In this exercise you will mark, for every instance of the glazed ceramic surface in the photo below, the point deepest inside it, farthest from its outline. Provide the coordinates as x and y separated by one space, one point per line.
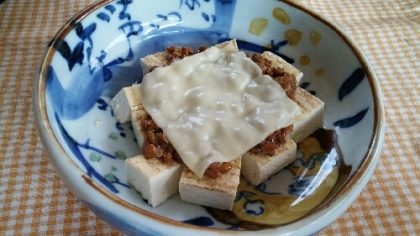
98 52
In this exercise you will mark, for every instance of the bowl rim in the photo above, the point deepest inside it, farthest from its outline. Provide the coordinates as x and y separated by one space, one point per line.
337 204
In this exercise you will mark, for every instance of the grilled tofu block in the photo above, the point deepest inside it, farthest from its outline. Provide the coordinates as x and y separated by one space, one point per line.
126 100
156 181
136 117
311 113
218 193
258 167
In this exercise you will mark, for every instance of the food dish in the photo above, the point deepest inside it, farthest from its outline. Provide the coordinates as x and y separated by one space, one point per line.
222 75
78 74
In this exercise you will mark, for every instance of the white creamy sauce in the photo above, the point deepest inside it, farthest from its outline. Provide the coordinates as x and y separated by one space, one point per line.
215 106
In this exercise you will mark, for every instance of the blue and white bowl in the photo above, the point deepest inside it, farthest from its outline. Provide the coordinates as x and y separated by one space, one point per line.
98 52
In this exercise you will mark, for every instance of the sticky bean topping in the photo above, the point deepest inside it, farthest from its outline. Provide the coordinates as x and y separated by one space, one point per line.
287 81
217 169
157 145
270 144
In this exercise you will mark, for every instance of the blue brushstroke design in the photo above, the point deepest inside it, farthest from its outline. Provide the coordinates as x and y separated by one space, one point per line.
103 16
166 17
157 39
110 8
244 194
123 14
304 85
300 184
106 74
205 16
85 33
200 221
350 121
254 207
131 28
191 4
262 188
119 126
154 25
351 83
102 104
92 80
71 56
74 147
277 46
163 17
68 104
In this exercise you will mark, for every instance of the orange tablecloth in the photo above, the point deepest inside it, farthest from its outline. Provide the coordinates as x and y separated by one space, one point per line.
34 200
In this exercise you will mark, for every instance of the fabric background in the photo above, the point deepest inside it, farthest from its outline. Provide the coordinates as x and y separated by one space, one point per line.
33 200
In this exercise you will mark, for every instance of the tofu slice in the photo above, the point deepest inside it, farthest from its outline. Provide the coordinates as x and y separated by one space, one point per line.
127 99
257 168
159 59
156 181
311 113
136 117
218 193
280 62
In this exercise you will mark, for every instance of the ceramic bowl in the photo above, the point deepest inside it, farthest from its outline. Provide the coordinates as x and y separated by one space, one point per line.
97 52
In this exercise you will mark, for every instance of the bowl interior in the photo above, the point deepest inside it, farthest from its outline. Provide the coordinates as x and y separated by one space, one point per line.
98 52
